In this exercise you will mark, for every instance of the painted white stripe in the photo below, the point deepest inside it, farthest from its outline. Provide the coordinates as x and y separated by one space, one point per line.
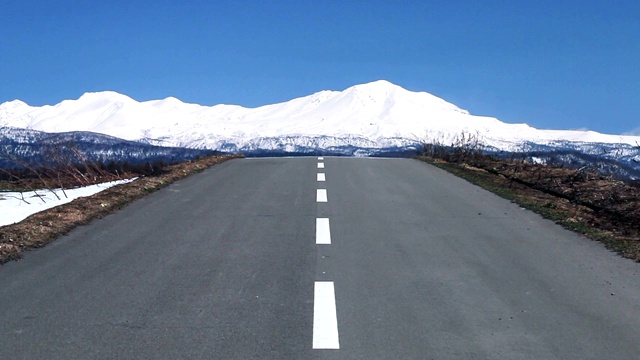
321 177
325 321
320 165
321 195
323 231
320 158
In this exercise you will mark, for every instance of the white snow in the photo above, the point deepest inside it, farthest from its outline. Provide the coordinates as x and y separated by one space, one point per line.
376 114
14 209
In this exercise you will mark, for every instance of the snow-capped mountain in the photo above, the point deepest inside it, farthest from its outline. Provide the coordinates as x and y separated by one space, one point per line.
366 118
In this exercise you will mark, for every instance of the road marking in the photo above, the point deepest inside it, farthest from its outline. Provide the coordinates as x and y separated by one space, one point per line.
325 321
321 195
323 231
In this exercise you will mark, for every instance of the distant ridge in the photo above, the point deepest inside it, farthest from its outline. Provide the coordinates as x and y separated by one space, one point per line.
375 115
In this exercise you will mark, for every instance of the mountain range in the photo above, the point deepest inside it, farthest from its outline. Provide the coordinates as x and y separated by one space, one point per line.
364 119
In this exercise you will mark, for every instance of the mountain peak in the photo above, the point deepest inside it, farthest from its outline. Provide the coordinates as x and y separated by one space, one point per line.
170 100
375 86
13 109
13 104
106 95
389 93
379 83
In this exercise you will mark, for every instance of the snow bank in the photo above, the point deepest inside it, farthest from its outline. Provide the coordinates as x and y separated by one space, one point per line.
14 209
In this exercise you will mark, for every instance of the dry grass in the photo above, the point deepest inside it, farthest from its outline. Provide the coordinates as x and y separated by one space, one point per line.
42 228
596 206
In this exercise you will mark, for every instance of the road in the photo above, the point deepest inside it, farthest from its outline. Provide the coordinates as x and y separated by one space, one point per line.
395 259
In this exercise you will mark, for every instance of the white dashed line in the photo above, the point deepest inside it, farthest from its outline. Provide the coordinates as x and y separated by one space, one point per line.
321 195
323 231
325 321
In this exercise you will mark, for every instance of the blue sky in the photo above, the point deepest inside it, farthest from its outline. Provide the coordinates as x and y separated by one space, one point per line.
552 64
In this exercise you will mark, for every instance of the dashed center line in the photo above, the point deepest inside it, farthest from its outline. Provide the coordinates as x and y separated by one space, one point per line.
323 231
325 321
321 195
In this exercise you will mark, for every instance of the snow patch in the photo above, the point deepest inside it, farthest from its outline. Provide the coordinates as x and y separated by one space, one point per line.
14 209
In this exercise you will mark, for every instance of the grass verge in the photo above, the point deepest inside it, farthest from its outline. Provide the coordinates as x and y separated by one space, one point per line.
44 227
623 238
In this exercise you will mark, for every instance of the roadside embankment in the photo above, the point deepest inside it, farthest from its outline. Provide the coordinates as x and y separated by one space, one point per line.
597 206
44 227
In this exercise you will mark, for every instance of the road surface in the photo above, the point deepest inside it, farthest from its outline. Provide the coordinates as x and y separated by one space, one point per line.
373 259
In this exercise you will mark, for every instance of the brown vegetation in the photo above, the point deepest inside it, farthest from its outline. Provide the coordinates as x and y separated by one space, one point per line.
597 206
41 228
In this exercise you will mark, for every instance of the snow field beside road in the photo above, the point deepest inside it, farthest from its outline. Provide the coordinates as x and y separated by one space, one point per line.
17 206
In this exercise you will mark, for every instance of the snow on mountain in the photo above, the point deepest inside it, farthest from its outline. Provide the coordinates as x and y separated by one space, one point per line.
14 110
374 115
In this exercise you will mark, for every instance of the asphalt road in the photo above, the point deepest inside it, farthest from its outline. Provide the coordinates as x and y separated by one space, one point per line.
248 260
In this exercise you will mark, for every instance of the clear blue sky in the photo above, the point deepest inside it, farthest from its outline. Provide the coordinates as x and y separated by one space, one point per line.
553 64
